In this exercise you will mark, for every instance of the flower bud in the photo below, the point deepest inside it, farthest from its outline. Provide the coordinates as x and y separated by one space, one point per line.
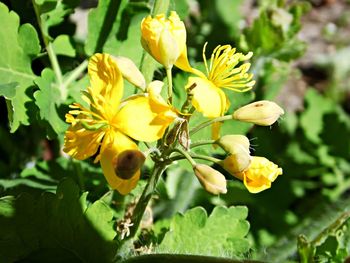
130 72
128 162
234 144
260 174
262 112
236 163
164 38
212 181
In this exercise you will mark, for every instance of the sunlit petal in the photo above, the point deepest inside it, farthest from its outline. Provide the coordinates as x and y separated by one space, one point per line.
207 98
81 143
144 119
106 80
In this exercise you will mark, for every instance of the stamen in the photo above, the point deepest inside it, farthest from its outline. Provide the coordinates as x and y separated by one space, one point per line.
205 58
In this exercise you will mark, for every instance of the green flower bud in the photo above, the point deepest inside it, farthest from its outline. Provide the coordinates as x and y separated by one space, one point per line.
212 181
262 112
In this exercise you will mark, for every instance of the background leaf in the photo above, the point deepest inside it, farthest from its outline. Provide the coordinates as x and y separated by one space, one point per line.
57 226
19 44
223 233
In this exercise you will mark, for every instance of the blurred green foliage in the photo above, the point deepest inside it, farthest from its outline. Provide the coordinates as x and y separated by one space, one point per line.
44 215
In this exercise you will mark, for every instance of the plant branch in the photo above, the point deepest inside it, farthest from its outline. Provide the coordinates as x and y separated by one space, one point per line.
170 85
207 123
203 142
146 197
74 75
51 54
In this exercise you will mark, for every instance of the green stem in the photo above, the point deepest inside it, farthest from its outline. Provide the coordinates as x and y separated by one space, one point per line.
160 7
74 75
196 156
203 142
52 56
147 193
170 85
319 240
210 122
147 64
186 155
54 63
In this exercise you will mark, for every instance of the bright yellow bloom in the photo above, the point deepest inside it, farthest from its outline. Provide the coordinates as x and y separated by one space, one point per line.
164 38
108 123
260 174
223 72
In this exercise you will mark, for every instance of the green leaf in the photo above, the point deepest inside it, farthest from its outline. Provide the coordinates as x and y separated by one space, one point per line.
103 22
311 121
8 90
229 12
47 99
223 233
19 44
63 46
53 12
58 225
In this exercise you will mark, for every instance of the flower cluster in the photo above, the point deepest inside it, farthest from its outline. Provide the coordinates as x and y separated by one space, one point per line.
108 126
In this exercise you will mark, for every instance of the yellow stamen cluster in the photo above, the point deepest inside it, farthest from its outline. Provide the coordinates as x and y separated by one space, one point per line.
222 70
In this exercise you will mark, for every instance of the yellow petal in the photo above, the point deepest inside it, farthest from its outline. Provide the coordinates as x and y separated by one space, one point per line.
144 119
109 159
258 185
81 143
260 174
215 131
106 79
207 98
183 64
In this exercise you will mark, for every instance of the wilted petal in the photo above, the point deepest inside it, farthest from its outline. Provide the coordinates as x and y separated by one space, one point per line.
108 163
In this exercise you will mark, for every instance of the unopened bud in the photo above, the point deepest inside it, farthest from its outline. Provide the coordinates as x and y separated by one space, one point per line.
262 112
130 72
236 163
212 181
234 144
168 49
164 38
128 162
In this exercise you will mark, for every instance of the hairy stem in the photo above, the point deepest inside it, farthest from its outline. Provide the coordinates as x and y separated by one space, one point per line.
186 155
146 197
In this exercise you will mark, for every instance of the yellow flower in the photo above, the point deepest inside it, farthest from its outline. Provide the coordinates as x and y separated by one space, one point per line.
260 174
223 72
164 38
108 123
